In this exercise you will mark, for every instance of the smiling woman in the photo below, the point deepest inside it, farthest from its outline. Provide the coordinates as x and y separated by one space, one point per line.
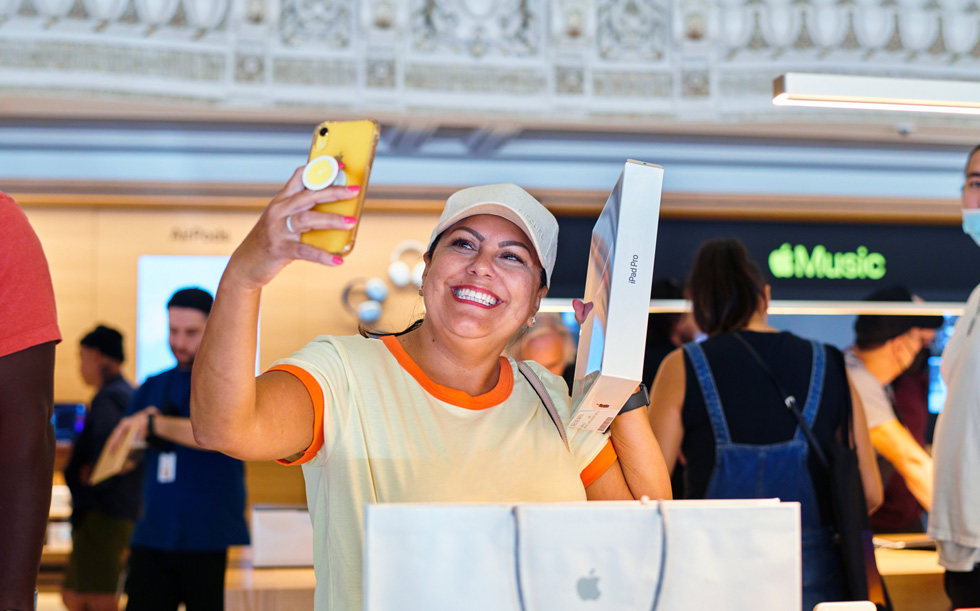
432 414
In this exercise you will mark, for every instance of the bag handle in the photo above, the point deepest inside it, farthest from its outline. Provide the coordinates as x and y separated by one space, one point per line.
549 405
788 400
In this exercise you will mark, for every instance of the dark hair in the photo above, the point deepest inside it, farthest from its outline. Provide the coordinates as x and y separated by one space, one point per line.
873 330
107 341
193 298
726 287
969 158
365 332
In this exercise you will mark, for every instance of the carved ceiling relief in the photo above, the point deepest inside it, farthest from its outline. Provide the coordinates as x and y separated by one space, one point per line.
201 16
896 31
632 30
477 28
316 23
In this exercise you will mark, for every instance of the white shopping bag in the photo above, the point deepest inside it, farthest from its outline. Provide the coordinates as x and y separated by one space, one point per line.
732 555
742 555
436 557
589 556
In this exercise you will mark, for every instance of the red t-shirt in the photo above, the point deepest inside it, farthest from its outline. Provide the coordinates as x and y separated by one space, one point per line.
27 311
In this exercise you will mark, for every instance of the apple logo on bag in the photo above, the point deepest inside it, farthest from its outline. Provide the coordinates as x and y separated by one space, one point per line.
588 587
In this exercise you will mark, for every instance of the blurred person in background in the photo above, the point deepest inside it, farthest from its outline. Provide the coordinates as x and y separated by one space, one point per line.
28 334
717 403
103 515
548 343
885 346
667 331
954 521
193 499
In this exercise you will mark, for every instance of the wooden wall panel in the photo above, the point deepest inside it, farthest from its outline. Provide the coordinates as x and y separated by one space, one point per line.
68 238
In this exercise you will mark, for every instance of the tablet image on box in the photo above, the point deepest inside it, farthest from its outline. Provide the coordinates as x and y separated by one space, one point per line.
609 363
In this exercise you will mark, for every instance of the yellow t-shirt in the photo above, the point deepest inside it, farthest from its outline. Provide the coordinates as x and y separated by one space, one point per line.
386 433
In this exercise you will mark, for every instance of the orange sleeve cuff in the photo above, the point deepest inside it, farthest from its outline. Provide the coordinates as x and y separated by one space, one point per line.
603 460
316 394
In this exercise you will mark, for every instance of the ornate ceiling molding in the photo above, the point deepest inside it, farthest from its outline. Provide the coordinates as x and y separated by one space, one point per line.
635 63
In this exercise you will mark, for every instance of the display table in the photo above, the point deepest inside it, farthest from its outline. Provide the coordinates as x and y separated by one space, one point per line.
279 589
913 576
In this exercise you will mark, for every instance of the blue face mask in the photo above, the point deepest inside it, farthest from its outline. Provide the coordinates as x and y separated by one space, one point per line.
971 224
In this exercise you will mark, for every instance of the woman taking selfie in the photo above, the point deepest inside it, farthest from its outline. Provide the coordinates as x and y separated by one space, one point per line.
716 402
433 414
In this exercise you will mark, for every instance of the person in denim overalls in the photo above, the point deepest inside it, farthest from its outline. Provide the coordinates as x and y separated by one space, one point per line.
754 447
776 470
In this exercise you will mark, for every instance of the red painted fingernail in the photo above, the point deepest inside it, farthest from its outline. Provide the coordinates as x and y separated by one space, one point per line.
354 189
350 220
337 260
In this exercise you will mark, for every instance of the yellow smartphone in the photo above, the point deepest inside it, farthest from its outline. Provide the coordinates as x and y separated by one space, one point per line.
352 144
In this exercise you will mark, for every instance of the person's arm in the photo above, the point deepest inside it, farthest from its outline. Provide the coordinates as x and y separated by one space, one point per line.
666 403
169 428
896 444
874 493
640 470
27 456
231 411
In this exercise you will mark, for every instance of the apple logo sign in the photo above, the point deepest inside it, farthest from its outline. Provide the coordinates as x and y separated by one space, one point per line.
588 587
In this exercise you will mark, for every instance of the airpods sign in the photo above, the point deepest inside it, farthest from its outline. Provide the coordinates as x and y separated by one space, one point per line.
798 261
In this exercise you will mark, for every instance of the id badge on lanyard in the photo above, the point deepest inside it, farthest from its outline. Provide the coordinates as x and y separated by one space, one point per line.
167 468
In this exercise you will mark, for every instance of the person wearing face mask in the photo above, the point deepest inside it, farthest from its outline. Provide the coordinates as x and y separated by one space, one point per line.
431 414
885 346
954 521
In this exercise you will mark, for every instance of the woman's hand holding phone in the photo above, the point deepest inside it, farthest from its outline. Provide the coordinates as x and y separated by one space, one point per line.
274 242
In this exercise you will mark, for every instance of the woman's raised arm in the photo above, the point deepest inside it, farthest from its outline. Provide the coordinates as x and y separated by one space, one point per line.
232 411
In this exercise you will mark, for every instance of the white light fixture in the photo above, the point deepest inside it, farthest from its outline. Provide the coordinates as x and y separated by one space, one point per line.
876 93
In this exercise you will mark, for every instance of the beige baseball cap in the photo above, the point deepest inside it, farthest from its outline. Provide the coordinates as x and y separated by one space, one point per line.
512 203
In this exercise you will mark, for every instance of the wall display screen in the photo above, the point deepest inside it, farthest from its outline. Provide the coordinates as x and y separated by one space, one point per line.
159 277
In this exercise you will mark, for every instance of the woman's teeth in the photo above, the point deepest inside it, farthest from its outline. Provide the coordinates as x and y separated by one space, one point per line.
471 295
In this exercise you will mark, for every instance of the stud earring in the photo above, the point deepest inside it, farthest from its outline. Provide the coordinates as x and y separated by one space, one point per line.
532 322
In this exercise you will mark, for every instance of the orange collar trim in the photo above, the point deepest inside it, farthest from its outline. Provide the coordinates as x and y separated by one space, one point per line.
497 395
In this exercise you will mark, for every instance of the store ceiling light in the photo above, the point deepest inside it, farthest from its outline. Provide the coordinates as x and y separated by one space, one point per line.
876 93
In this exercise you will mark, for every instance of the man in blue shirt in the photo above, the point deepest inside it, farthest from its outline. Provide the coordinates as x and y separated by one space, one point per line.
194 499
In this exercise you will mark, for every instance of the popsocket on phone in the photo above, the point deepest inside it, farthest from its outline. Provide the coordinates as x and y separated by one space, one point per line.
322 172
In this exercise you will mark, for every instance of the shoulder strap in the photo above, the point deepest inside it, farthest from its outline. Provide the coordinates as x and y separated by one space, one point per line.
539 388
789 400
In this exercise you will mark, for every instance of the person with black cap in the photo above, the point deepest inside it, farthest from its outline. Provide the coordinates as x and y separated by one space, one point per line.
103 515
886 346
194 499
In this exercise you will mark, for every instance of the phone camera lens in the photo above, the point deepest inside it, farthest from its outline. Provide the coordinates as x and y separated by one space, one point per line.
323 131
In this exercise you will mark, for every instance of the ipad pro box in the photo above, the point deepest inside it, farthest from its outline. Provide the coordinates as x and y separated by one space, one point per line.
609 363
